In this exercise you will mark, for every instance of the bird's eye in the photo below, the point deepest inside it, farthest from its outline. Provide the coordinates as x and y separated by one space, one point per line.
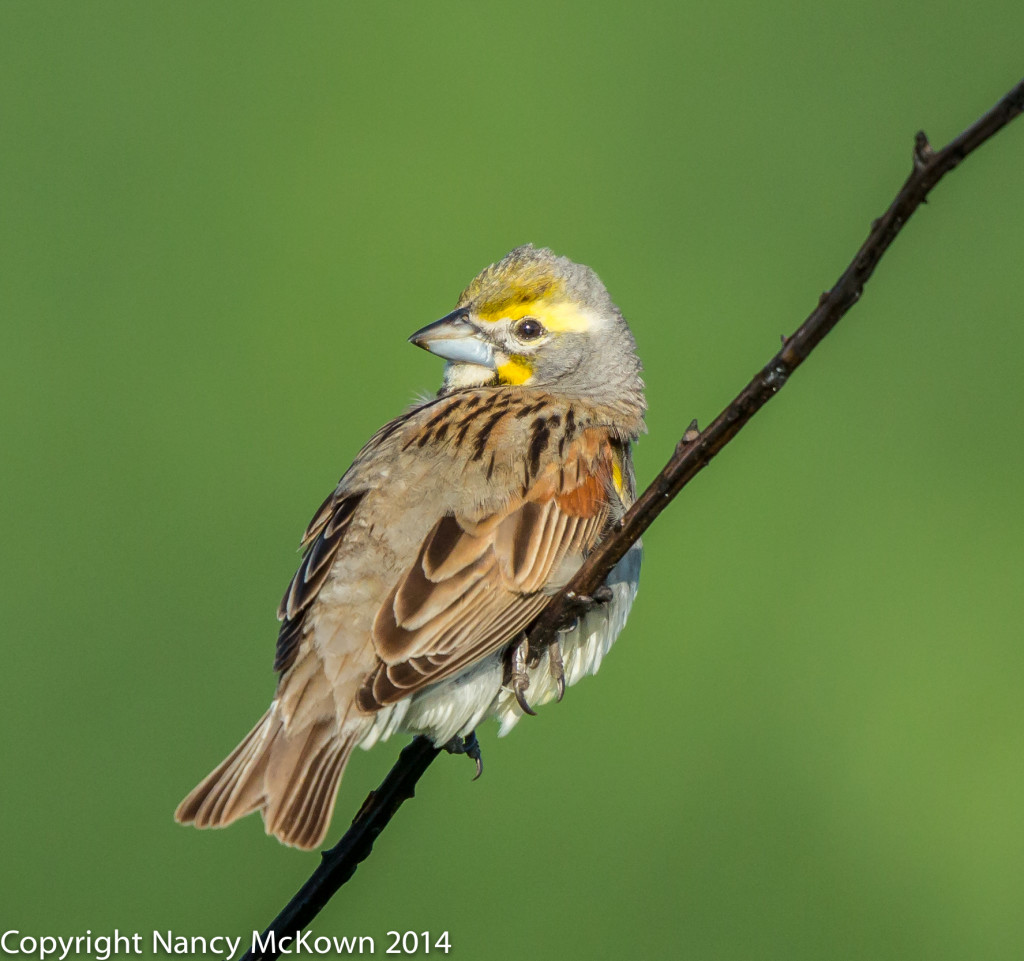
528 329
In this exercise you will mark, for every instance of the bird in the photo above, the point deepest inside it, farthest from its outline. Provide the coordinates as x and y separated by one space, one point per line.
454 526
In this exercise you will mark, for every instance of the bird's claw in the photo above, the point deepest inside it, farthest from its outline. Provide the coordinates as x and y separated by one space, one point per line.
519 679
469 746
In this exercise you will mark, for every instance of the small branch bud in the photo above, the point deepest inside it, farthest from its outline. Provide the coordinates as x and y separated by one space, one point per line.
923 152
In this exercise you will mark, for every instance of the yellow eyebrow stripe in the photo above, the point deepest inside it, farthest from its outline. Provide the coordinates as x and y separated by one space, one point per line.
559 317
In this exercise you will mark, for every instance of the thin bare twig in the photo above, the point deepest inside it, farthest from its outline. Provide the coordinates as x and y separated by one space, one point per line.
692 454
339 863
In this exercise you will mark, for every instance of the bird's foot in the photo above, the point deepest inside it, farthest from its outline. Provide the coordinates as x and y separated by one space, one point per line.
579 604
518 679
469 746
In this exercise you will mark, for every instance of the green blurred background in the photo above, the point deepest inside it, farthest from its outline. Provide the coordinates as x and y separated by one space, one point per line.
219 224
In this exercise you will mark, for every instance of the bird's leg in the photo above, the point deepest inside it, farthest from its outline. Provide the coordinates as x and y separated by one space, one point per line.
469 746
518 676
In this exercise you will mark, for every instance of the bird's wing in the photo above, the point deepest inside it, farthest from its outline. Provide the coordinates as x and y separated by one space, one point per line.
320 545
478 581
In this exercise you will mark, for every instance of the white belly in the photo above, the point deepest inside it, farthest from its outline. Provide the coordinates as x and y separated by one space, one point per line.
457 705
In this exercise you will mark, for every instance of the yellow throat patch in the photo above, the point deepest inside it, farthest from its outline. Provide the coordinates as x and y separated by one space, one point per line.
518 370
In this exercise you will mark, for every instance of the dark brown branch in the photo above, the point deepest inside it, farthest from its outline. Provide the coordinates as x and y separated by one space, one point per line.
339 863
692 454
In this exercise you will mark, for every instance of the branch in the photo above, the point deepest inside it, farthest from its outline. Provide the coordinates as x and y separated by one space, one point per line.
692 454
339 863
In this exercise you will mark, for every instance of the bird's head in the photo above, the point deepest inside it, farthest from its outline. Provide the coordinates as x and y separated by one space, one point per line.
538 320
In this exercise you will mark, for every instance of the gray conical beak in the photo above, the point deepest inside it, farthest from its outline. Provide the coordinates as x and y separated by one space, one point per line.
456 339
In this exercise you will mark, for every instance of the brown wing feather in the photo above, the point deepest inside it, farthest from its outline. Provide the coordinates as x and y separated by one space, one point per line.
322 539
478 582
320 543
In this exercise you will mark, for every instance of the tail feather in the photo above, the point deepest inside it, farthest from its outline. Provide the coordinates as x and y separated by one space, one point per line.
303 815
230 790
291 779
239 789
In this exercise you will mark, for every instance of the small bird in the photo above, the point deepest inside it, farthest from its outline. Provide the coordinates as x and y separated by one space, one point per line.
444 540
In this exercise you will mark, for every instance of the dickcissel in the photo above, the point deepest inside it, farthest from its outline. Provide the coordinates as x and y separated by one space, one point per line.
444 540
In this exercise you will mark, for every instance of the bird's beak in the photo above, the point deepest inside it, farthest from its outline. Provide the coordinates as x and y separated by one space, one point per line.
456 339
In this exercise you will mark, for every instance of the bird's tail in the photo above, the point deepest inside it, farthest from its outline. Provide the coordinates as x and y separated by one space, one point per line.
291 778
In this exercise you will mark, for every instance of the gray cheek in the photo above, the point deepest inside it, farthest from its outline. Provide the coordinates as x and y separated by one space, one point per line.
569 365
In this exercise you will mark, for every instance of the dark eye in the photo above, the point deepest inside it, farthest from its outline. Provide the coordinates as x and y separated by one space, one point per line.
528 329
